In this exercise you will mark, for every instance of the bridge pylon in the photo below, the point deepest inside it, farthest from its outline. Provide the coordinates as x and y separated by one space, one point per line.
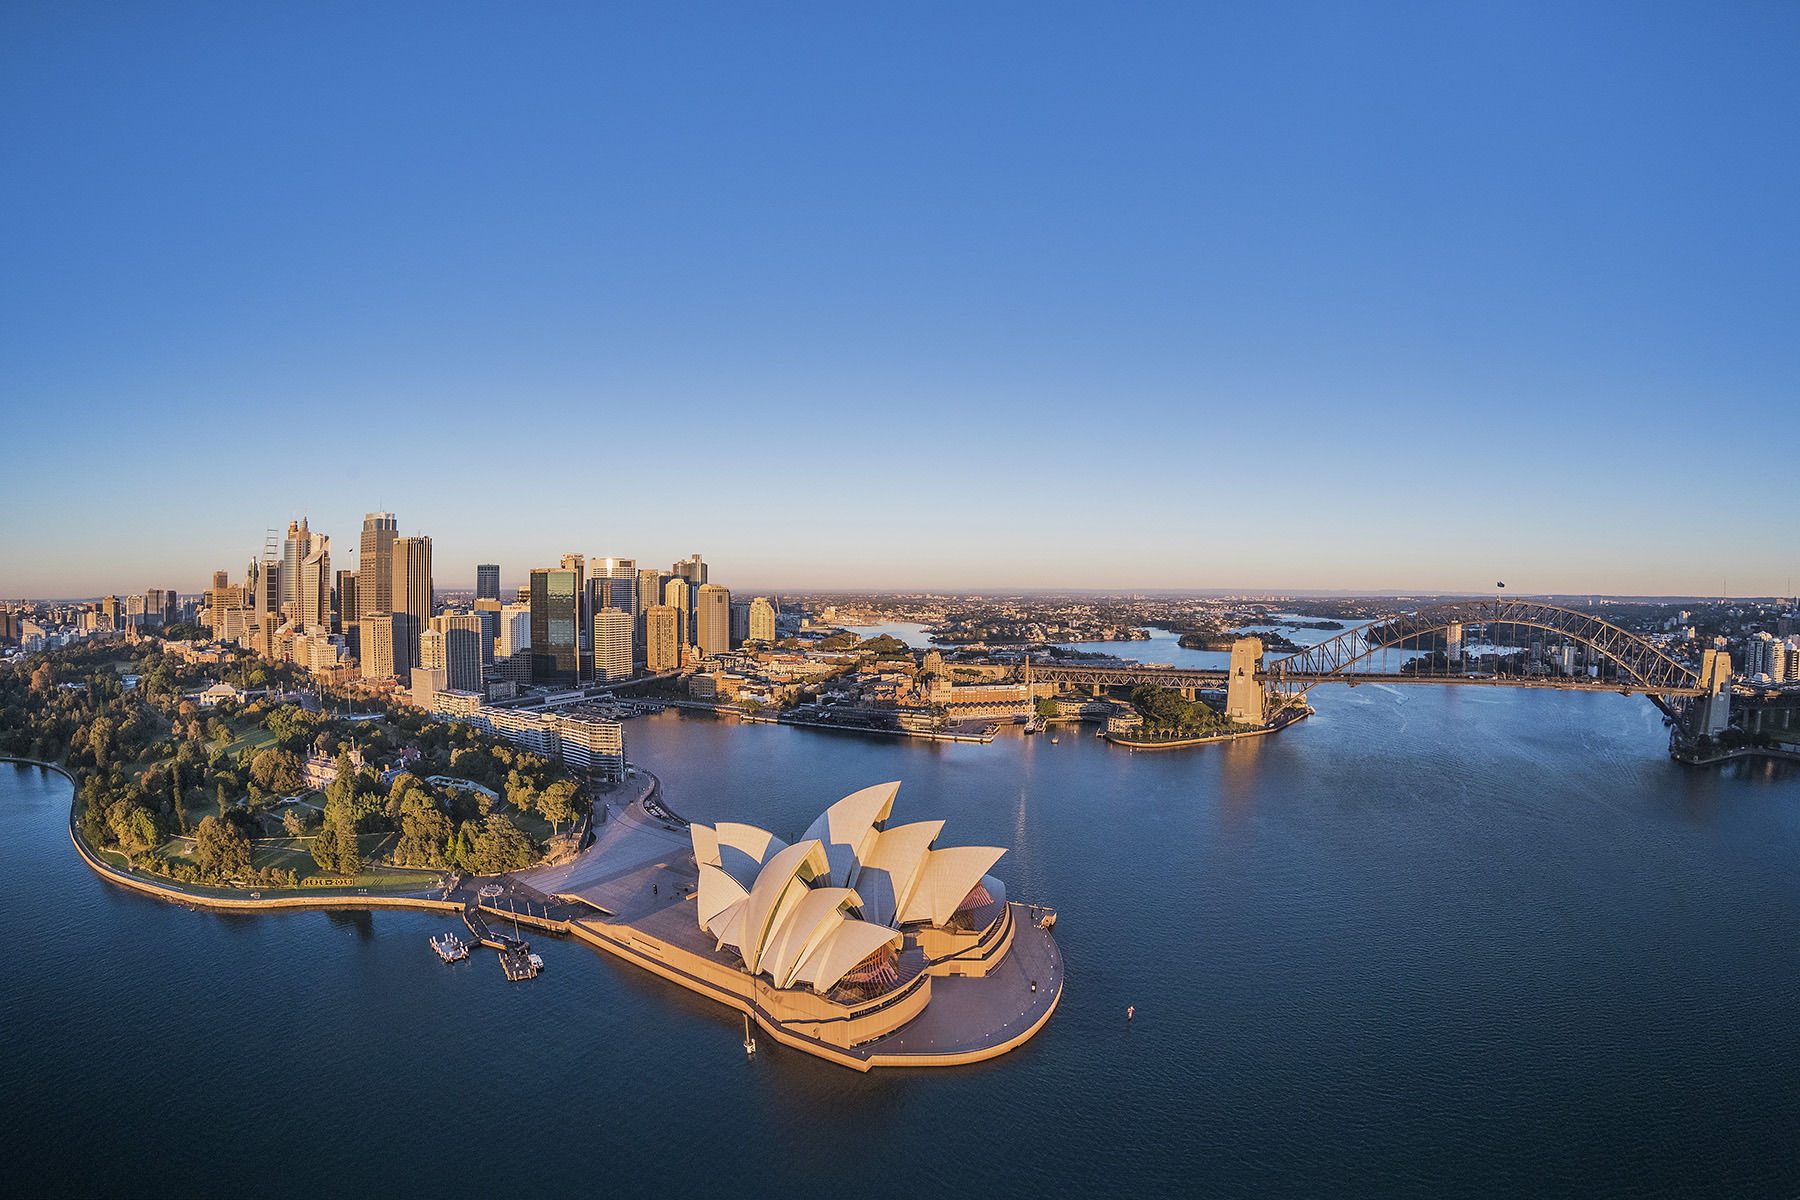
1244 693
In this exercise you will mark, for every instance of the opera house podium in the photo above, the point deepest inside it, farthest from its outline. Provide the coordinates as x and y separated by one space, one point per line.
862 942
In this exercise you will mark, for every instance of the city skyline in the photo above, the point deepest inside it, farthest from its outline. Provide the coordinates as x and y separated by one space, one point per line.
1391 300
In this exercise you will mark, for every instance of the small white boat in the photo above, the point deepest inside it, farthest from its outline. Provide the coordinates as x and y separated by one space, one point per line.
537 962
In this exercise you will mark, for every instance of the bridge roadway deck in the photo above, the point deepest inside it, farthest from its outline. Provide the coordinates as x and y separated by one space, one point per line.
1214 678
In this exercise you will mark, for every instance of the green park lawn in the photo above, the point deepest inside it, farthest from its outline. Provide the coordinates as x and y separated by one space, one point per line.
293 854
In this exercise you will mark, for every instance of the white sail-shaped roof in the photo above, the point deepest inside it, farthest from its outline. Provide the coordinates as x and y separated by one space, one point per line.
848 943
946 877
888 874
745 849
728 926
718 892
706 844
780 885
848 831
805 927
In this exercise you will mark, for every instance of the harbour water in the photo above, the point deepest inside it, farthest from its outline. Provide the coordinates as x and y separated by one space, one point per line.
1427 942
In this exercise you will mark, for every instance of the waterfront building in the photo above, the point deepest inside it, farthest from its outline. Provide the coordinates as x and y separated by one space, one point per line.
487 581
762 620
712 619
375 567
591 745
863 943
555 647
662 626
612 644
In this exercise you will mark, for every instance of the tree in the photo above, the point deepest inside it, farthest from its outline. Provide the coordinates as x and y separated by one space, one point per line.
133 827
501 846
1046 707
557 802
425 834
221 849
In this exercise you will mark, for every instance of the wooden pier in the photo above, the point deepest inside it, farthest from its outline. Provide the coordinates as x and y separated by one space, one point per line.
515 953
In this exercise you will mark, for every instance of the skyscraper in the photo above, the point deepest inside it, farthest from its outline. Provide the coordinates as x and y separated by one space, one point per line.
612 644
584 652
346 601
712 619
649 591
694 571
487 581
515 630
315 586
294 551
555 645
378 638
662 625
459 641
616 584
675 595
375 568
412 581
740 622
762 620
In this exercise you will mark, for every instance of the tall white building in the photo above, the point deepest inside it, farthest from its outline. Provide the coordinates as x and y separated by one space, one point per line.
762 620
459 636
712 619
314 579
612 644
294 551
515 629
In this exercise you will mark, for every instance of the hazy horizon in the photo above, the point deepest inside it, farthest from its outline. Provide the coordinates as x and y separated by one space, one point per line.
1387 298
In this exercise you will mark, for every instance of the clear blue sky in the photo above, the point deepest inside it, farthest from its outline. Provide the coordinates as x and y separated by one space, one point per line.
1241 296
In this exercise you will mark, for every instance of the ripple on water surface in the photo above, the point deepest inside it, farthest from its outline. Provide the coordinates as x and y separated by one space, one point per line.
1440 942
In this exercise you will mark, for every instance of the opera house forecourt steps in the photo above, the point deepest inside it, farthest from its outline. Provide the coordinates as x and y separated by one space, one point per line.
863 942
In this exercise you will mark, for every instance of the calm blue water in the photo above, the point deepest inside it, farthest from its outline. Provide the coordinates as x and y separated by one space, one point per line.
1444 942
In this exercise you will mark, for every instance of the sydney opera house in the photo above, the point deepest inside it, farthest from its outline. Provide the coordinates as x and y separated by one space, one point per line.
864 941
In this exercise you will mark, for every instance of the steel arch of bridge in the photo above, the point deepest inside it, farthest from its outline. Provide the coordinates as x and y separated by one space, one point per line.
1649 669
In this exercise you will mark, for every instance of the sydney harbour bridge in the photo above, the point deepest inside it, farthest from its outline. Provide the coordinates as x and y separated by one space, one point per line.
1426 646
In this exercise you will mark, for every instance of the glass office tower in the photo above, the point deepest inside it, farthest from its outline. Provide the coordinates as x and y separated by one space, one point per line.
555 613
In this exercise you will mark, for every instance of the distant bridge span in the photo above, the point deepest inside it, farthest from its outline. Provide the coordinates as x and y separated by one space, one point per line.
1641 667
